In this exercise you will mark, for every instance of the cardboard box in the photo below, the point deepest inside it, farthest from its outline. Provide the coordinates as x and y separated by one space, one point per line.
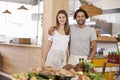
21 40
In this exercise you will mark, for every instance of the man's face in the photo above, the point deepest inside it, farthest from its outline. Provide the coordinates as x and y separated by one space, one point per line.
80 18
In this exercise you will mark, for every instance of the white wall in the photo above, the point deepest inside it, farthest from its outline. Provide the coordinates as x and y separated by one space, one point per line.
113 17
106 4
115 29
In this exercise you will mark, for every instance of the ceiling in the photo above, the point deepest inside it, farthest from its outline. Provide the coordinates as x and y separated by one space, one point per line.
30 2
34 2
75 4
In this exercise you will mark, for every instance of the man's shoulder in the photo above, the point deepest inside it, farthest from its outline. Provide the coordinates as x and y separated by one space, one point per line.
73 25
88 27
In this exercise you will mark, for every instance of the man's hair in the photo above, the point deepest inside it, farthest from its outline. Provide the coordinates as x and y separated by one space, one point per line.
80 10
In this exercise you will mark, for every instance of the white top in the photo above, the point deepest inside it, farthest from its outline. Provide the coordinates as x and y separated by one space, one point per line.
59 42
80 40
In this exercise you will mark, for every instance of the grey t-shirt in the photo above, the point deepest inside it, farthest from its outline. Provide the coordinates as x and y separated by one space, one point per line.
80 40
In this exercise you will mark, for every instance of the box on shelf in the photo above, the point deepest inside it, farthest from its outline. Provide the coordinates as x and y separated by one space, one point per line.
21 40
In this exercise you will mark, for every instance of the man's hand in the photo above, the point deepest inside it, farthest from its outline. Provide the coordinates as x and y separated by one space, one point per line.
51 30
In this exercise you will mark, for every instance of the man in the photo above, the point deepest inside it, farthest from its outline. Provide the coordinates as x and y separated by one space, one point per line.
82 39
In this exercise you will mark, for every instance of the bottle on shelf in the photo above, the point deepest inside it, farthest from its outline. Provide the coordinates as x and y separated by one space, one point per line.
109 57
118 58
80 60
113 59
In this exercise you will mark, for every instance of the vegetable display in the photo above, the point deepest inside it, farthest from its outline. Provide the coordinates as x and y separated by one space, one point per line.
84 70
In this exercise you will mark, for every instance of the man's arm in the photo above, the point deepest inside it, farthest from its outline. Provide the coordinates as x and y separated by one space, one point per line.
51 30
93 45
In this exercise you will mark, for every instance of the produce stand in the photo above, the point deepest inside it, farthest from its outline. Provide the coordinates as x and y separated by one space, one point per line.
81 71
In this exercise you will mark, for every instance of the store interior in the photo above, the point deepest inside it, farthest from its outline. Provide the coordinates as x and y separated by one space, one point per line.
24 31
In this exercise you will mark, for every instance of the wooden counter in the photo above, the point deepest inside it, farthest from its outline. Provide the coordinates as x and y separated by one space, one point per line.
19 58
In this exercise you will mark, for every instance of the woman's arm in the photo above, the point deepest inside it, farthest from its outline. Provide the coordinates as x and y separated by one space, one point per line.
48 48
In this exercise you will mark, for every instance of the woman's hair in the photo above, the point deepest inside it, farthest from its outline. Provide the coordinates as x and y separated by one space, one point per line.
66 26
80 10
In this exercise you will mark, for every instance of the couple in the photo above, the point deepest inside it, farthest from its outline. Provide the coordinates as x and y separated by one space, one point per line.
79 39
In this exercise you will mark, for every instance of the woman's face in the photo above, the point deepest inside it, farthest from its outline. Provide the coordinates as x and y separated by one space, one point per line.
61 19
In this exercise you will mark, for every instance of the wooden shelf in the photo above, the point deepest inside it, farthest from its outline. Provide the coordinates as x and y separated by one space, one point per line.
113 64
105 41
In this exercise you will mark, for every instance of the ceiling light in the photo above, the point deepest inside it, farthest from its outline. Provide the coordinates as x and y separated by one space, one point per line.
6 11
92 10
22 8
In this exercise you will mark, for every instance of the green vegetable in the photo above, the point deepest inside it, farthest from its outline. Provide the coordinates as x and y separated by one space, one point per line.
19 76
39 76
44 76
88 70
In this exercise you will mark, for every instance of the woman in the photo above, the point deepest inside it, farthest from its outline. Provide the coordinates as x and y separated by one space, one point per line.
58 42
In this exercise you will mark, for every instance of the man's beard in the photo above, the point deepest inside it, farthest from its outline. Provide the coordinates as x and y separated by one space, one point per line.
81 22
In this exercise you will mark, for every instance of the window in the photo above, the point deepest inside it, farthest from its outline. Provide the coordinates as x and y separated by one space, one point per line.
21 23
